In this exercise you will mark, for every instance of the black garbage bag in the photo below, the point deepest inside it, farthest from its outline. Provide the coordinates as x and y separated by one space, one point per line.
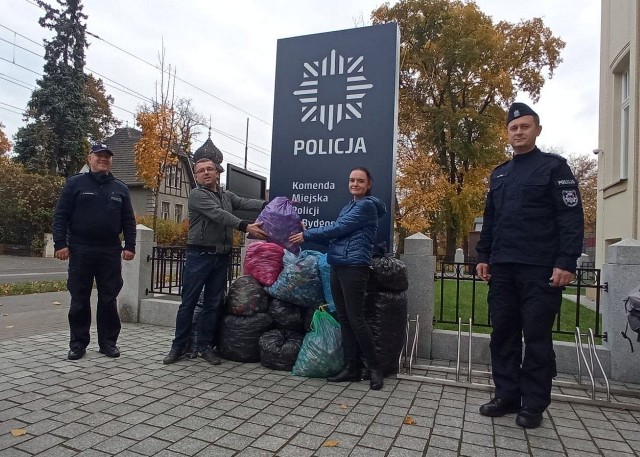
279 349
246 297
307 315
386 314
238 336
287 316
388 274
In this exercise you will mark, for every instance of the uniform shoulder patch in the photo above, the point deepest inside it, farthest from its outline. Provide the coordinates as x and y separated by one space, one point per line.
570 197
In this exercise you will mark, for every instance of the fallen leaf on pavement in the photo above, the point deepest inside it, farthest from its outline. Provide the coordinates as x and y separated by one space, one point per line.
409 421
18 432
343 406
331 443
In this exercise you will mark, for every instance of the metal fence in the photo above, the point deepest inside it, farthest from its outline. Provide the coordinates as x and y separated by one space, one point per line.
461 294
167 263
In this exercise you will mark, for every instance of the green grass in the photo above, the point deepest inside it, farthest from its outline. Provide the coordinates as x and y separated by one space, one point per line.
36 287
464 289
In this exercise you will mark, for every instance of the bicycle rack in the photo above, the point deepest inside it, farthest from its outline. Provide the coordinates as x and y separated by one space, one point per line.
408 364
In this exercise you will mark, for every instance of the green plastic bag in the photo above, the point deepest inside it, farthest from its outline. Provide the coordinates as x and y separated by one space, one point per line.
321 354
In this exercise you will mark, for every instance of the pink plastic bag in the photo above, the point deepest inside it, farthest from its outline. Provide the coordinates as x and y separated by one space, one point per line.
263 261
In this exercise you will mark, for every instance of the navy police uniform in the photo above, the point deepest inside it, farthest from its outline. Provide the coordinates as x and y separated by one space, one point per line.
92 212
533 223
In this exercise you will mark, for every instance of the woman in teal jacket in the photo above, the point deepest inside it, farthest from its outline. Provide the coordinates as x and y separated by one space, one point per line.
350 239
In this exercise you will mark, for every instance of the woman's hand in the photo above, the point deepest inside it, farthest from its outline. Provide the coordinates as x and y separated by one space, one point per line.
296 238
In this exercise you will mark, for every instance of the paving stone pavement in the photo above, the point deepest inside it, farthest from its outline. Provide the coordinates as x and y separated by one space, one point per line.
136 406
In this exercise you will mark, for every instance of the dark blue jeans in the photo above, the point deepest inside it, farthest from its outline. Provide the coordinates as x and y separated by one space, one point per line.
103 264
348 287
522 303
208 270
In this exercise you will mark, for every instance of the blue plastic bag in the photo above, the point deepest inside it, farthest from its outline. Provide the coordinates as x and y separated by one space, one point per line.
321 354
299 281
325 276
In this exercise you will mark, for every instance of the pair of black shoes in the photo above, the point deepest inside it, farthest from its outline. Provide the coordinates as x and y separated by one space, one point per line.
527 417
208 354
109 351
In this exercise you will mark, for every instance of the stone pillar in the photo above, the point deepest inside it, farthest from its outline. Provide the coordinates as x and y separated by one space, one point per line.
584 258
48 245
136 274
621 273
421 265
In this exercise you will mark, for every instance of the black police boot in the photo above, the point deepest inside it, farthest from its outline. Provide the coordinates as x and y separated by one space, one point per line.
529 418
499 407
348 374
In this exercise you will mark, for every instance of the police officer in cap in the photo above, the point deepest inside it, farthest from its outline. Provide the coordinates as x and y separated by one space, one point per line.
531 239
93 210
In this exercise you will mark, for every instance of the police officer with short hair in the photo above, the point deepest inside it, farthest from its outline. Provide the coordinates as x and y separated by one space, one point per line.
530 241
93 210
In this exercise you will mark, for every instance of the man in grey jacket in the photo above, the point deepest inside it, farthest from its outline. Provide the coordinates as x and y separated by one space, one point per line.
209 242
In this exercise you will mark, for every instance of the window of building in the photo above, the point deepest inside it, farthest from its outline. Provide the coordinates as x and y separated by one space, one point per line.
173 176
624 123
178 212
165 211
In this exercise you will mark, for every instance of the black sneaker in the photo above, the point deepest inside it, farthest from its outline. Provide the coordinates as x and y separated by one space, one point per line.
174 355
76 354
210 356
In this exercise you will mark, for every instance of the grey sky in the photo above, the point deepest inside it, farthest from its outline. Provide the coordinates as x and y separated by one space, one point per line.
227 51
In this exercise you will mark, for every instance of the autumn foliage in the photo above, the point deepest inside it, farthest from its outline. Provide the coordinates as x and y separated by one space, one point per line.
459 72
5 144
168 233
154 149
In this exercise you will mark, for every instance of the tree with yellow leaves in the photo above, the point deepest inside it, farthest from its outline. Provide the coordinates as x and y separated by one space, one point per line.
5 144
167 131
459 71
157 147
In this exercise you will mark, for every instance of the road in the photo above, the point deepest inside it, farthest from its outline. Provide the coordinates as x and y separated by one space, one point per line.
14 269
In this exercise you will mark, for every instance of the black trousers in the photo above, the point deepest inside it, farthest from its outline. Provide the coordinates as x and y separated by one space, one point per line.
103 264
348 287
522 303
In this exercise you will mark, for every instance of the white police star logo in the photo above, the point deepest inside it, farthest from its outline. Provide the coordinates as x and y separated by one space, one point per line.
351 69
570 197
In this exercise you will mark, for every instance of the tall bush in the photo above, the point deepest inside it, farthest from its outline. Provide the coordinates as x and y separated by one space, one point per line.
169 233
27 204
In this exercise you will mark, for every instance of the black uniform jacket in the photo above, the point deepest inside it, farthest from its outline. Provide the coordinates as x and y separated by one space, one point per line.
93 209
533 213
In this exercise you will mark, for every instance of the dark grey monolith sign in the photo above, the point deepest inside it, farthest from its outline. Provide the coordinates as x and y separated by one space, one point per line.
335 108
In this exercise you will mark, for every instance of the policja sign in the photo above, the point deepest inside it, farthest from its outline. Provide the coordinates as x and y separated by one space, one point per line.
336 108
